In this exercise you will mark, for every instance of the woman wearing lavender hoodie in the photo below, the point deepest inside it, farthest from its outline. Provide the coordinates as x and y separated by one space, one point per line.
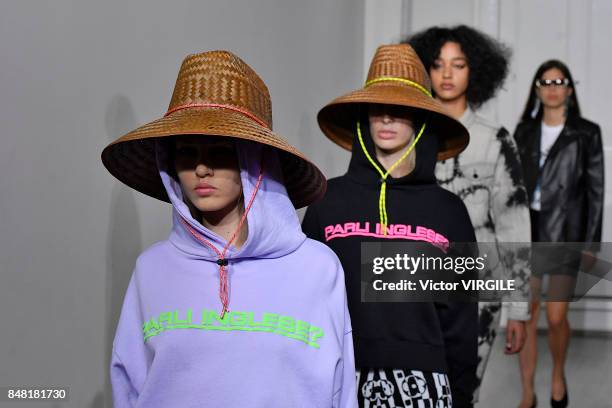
237 308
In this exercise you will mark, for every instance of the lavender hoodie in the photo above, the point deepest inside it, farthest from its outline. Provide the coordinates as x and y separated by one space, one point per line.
286 341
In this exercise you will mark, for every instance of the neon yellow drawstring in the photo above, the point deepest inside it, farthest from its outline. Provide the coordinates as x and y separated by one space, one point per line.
382 201
402 80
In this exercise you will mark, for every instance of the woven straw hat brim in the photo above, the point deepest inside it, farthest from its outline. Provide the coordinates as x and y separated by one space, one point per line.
131 158
337 119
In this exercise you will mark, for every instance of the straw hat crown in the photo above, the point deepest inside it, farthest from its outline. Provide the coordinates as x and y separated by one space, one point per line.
398 61
220 77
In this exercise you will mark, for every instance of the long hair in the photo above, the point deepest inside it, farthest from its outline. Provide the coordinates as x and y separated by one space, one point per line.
573 108
486 57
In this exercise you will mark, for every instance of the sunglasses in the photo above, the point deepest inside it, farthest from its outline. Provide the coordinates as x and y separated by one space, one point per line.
564 82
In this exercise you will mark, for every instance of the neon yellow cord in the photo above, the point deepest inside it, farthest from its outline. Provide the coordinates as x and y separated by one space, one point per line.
402 80
382 201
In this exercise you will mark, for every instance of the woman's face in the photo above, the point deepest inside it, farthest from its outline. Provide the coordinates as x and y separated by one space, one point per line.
391 126
207 168
450 73
552 95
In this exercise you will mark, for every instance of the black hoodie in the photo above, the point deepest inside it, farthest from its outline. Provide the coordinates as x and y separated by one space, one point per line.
437 337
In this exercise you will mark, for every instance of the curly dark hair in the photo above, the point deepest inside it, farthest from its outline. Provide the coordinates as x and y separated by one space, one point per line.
487 58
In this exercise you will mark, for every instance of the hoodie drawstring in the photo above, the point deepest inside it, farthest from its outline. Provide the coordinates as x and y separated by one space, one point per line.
222 261
382 200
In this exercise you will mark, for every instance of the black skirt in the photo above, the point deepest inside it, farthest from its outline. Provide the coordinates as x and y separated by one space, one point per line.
552 258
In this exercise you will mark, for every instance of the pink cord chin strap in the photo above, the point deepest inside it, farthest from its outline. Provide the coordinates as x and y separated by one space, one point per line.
222 261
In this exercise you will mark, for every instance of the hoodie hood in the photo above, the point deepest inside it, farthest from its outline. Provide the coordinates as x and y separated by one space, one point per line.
361 170
273 226
365 168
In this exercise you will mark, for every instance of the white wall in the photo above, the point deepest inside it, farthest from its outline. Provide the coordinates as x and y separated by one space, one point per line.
384 23
74 76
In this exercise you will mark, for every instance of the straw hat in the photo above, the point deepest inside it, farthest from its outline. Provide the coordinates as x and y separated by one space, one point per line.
216 93
396 77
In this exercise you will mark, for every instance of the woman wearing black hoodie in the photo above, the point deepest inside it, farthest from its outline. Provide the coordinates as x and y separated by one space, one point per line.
408 354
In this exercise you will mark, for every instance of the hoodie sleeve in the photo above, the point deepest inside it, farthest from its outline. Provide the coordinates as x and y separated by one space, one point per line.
124 392
459 324
459 321
344 383
595 188
509 213
311 225
128 368
346 395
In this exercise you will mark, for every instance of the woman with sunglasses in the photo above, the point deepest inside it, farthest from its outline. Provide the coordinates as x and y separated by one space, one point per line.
562 160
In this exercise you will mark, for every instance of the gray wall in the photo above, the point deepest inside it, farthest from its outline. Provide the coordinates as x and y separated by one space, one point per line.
77 74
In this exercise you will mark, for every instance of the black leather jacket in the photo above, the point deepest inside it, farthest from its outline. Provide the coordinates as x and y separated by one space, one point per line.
572 183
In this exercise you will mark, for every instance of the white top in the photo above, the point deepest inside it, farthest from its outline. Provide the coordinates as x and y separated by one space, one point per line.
549 136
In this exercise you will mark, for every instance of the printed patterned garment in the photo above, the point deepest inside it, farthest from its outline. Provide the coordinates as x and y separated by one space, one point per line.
397 388
487 177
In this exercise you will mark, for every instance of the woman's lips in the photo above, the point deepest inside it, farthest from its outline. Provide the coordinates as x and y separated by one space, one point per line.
204 190
386 134
448 87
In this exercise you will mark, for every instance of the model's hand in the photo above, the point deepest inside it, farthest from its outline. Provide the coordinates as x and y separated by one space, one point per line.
515 336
